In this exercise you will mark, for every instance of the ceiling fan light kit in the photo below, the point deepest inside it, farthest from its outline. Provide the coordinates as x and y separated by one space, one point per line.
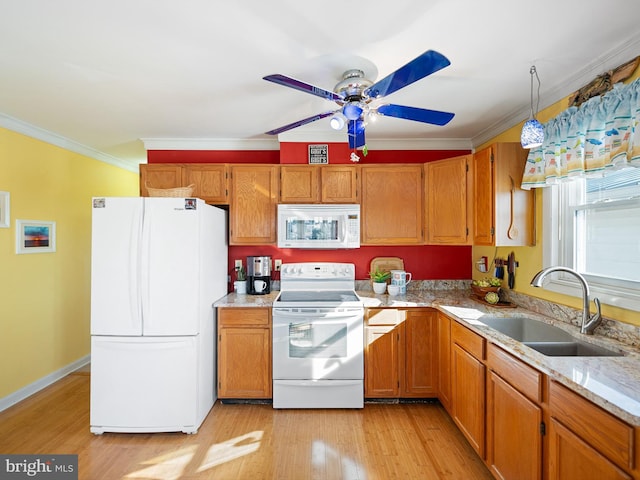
532 134
354 93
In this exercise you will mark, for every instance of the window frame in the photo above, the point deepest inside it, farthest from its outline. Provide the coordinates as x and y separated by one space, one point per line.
557 249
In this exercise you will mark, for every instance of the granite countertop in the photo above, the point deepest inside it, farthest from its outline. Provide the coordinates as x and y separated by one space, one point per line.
610 382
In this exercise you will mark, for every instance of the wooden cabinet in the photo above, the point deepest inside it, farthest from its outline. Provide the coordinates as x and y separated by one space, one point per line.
444 361
468 385
400 353
244 353
209 180
252 210
392 205
585 441
448 197
514 417
503 213
160 175
319 184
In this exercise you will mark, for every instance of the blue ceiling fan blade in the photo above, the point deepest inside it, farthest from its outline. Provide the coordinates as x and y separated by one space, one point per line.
426 64
355 129
423 115
303 87
299 123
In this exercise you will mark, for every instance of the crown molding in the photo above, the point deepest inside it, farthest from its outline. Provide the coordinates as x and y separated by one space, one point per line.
38 133
209 144
608 61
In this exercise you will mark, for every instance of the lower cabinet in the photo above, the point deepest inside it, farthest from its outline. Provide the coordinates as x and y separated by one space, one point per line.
400 354
514 417
586 442
468 385
244 353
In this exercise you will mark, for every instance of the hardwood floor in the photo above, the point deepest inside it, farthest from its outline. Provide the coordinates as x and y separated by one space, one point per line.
381 441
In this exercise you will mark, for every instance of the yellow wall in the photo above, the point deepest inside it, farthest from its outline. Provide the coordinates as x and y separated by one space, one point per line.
45 297
530 258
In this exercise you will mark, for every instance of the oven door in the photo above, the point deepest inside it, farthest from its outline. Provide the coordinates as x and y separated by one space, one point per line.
318 343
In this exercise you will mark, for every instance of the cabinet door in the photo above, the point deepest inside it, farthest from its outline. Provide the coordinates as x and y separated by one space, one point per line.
483 213
514 441
299 184
468 383
381 360
339 184
244 362
392 212
444 361
420 362
210 182
252 212
571 457
446 200
161 175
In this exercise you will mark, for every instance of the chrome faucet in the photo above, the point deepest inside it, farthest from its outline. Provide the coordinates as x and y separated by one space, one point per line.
589 323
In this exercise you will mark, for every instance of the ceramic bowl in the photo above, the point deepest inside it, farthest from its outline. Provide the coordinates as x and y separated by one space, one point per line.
393 289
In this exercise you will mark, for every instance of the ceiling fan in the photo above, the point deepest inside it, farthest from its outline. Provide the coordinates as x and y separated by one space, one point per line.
354 93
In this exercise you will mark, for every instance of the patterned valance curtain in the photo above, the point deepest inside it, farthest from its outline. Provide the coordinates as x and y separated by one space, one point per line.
602 134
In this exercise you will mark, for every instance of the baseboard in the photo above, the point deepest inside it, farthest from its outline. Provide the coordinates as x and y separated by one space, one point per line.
38 385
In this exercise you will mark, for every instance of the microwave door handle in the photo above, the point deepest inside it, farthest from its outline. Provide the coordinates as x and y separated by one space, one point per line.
345 228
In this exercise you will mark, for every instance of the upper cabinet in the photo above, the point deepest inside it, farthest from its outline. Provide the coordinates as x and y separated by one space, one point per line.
209 180
503 213
319 184
253 200
448 194
392 205
160 175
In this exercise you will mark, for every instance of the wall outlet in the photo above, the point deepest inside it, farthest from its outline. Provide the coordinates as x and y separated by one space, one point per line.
238 264
278 265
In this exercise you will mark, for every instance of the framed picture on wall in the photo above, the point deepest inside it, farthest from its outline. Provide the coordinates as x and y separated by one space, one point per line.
4 210
35 236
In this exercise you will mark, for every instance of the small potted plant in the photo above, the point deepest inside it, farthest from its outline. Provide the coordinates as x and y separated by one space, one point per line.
379 279
240 285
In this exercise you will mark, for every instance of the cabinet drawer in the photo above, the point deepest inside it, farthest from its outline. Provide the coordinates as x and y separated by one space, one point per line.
523 377
603 431
470 341
385 316
244 316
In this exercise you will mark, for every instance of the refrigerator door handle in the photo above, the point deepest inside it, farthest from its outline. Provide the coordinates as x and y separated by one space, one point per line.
143 270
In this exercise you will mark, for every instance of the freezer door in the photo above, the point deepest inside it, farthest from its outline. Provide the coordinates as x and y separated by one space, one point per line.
116 232
171 266
141 384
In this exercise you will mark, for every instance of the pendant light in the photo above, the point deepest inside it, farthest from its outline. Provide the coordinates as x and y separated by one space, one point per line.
532 131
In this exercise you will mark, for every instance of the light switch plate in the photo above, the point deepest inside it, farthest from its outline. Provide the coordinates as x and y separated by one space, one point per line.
238 263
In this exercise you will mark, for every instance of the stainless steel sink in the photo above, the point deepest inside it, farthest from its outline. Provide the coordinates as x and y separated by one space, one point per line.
546 339
572 349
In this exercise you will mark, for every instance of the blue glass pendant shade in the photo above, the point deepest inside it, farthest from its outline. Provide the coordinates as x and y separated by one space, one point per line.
532 134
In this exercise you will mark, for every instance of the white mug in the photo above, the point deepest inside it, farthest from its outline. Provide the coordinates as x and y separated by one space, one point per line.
400 278
259 285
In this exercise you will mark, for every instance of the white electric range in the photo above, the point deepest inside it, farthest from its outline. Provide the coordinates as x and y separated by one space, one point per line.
318 338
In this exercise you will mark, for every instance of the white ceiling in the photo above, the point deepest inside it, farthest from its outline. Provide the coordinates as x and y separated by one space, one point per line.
188 74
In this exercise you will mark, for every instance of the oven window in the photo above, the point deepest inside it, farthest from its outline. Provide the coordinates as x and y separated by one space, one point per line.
312 229
317 340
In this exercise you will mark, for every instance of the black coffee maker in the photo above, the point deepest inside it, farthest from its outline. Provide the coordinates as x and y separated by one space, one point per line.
259 275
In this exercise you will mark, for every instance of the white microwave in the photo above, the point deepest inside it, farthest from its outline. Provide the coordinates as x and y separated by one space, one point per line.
318 226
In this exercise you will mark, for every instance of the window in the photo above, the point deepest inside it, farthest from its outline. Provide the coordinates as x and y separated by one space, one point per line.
593 226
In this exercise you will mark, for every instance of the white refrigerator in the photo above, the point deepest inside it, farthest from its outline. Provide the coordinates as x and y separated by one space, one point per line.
157 267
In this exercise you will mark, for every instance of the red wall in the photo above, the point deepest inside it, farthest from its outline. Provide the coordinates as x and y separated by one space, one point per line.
424 262
428 262
339 153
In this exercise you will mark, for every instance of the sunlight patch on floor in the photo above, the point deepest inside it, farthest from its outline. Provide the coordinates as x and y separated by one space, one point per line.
172 466
231 449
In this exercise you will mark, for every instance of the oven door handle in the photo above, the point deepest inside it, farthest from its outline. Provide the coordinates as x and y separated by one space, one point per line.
313 314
